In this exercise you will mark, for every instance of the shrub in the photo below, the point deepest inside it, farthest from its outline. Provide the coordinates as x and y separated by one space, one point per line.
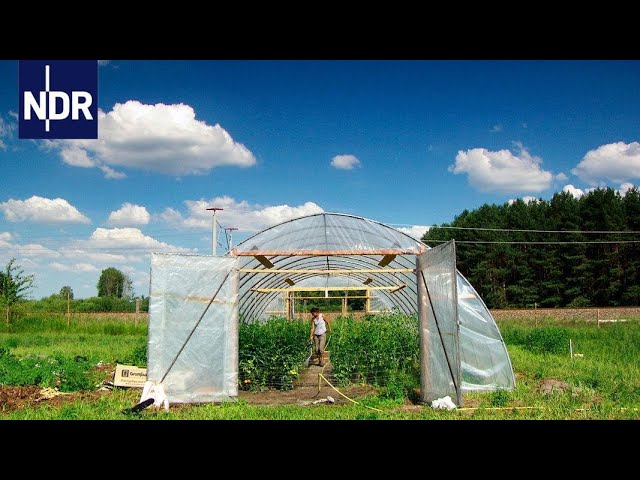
548 340
57 372
382 350
271 354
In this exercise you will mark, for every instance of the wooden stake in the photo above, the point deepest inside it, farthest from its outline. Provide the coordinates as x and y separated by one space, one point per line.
571 349
68 311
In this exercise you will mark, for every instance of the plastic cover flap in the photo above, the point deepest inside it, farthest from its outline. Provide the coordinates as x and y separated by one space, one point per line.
196 345
441 370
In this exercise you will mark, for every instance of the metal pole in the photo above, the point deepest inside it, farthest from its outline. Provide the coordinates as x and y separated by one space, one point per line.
213 229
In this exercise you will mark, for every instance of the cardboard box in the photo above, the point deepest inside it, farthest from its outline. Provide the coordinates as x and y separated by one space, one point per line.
129 376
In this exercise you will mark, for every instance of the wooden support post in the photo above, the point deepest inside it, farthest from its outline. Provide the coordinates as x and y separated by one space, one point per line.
288 301
68 310
367 305
598 316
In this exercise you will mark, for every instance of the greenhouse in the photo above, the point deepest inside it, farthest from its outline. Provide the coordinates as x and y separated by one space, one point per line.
196 302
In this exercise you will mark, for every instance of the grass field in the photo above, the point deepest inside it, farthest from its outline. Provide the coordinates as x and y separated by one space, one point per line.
603 382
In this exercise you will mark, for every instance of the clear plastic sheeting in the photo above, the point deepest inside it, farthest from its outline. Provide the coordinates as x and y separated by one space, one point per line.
330 232
349 242
439 328
484 357
193 341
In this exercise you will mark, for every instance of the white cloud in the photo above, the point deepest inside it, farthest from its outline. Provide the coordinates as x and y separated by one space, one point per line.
345 162
617 162
76 157
5 238
171 215
161 138
124 248
576 192
139 278
417 231
77 253
127 238
561 177
6 131
525 199
496 128
114 246
42 210
242 215
625 187
129 215
77 267
112 174
502 171
35 250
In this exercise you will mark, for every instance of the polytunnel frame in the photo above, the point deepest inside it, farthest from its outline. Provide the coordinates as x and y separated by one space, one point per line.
408 271
403 299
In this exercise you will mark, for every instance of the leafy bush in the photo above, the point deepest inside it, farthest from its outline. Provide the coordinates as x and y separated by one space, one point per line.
499 398
272 354
548 340
138 356
381 350
57 372
538 340
515 335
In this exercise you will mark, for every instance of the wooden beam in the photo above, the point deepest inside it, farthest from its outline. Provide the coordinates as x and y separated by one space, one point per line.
316 253
288 281
324 289
399 287
337 296
264 260
190 298
386 260
329 272
368 281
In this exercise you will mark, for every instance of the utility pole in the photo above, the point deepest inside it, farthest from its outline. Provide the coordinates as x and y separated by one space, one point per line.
213 229
230 230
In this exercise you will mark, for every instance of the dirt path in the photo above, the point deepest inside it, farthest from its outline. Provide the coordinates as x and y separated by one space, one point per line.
305 390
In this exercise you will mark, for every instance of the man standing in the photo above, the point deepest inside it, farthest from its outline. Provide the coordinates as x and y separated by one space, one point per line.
318 334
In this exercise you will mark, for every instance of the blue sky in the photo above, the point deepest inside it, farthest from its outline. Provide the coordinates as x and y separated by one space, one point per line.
407 143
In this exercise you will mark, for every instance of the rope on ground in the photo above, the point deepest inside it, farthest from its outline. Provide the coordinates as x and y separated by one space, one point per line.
350 399
467 409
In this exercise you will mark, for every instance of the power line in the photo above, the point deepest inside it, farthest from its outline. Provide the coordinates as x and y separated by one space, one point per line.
539 243
540 231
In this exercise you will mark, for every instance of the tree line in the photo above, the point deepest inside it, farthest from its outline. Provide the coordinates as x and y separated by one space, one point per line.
568 273
115 294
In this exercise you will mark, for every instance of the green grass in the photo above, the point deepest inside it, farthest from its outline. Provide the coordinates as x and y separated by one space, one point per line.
602 384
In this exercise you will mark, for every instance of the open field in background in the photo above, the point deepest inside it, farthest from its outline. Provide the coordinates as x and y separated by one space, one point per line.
602 382
586 314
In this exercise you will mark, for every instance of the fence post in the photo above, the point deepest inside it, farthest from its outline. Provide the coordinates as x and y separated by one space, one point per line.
68 310
571 349
137 312
598 316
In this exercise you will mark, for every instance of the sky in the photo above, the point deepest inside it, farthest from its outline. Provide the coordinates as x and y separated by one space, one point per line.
407 143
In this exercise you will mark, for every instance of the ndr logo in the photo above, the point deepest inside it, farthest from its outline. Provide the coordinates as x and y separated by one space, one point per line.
58 99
